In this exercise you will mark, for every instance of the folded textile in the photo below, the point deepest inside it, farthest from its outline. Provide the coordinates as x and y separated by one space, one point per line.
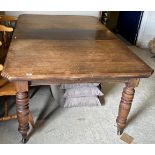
82 92
68 86
57 93
82 101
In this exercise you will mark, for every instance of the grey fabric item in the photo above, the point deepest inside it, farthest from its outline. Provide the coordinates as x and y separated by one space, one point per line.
81 101
91 91
57 94
82 92
68 86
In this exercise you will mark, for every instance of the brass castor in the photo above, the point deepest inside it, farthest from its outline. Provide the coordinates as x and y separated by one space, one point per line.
24 140
119 131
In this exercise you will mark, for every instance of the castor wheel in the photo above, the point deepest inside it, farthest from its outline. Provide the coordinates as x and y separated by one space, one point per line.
119 131
24 140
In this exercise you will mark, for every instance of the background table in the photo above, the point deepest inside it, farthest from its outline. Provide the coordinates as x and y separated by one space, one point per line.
69 49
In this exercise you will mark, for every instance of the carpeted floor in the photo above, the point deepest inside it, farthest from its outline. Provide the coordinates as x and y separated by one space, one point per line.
90 124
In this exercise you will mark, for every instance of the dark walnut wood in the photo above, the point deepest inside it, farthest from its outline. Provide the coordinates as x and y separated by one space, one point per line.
64 47
22 107
125 104
22 113
67 49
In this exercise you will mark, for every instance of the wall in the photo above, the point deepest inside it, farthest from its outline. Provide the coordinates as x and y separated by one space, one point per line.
87 13
147 29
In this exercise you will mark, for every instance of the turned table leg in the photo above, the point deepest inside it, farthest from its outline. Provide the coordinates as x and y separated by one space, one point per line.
125 104
22 107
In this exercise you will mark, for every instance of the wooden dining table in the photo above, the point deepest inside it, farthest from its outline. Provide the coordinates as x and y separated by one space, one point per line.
48 49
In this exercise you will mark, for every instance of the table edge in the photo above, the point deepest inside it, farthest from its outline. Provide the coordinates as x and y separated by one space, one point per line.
79 77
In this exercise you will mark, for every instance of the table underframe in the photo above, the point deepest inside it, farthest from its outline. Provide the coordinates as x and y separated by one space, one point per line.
22 100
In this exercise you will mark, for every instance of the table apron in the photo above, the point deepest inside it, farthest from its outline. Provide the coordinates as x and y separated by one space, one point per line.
49 82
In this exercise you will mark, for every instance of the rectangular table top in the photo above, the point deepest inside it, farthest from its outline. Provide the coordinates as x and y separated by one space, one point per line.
69 47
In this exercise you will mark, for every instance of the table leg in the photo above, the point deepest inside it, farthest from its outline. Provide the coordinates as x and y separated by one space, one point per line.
125 104
22 107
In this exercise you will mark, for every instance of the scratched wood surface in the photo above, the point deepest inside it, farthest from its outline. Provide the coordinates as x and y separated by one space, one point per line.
68 47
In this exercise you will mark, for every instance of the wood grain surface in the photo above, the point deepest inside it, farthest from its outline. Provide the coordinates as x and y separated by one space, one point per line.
68 48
